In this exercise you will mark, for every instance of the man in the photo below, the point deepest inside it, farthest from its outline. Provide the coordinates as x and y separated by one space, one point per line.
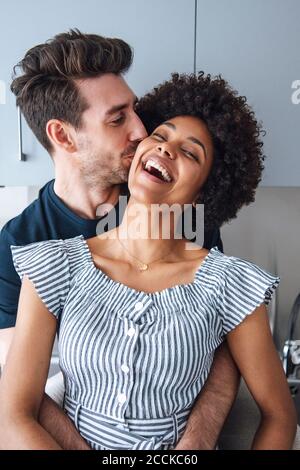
74 98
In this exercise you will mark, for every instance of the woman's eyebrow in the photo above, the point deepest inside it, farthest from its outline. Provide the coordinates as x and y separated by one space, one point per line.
192 139
197 141
169 124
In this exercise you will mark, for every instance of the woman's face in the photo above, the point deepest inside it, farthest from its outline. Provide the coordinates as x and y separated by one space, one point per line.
172 164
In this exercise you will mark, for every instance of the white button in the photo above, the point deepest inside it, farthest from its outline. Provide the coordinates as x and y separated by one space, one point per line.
139 306
122 398
125 368
123 426
131 332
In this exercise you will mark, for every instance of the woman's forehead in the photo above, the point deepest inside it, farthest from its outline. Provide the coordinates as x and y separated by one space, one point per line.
189 126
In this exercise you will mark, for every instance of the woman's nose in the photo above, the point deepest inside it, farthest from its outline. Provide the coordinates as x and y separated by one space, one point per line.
164 149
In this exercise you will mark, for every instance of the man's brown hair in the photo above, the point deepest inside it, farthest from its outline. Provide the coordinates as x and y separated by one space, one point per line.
46 89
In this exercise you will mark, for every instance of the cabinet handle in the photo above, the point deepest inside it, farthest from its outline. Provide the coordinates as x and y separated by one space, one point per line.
21 155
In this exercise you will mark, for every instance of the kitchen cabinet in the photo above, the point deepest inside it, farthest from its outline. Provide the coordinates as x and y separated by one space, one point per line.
161 33
255 45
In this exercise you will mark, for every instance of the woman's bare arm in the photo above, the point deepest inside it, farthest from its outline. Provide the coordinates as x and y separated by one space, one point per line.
251 345
25 374
51 416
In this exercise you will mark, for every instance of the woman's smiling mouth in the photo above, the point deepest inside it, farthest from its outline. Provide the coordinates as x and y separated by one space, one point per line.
156 168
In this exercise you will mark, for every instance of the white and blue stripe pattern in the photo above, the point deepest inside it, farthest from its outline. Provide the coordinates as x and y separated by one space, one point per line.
134 362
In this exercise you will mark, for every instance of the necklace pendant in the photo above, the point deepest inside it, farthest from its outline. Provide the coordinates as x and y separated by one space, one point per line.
143 267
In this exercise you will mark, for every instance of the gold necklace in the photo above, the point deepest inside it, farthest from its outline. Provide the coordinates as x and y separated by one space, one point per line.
142 266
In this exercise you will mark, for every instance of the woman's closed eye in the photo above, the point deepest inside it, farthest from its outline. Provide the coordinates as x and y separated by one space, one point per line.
159 136
190 154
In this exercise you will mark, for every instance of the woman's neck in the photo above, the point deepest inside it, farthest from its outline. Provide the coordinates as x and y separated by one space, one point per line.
147 233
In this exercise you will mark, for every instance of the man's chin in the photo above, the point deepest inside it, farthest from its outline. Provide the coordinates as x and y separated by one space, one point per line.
126 162
122 175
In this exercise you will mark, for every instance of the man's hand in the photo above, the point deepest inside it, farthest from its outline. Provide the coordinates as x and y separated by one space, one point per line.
53 419
213 404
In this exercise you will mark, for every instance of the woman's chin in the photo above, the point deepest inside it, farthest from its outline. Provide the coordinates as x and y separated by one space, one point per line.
144 196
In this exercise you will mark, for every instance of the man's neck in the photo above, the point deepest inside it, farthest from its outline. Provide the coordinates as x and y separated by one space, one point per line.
85 201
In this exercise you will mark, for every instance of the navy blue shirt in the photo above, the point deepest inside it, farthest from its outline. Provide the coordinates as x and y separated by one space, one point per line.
48 218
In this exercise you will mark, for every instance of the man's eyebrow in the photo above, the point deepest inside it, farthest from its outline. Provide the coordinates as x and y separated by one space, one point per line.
120 107
192 139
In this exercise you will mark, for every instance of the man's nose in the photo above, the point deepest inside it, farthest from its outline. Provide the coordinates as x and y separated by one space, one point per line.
138 131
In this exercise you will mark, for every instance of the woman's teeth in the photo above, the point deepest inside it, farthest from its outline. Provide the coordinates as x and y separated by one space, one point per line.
150 163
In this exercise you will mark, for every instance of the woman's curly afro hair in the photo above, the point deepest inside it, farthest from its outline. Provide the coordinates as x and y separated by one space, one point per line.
238 158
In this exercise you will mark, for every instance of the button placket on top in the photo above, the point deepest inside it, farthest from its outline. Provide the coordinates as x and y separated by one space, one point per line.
125 368
131 334
132 315
136 307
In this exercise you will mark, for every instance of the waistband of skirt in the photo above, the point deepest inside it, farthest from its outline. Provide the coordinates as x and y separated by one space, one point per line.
72 406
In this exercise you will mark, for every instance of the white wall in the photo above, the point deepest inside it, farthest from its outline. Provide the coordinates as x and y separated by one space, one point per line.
13 200
267 233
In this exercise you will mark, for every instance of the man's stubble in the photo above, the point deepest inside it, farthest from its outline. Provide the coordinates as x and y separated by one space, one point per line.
99 169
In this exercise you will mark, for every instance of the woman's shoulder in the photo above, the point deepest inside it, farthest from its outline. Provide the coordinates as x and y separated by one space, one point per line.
50 244
49 265
242 287
242 278
229 261
222 269
232 263
44 255
217 260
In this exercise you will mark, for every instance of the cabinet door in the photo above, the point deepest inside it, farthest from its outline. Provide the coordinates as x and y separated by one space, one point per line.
255 45
161 33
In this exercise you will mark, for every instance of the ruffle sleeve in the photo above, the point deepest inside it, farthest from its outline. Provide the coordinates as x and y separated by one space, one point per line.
46 265
245 287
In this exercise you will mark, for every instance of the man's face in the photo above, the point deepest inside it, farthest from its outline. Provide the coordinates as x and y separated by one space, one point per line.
110 131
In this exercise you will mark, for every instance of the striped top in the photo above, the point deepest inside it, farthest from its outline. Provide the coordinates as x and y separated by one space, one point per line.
134 362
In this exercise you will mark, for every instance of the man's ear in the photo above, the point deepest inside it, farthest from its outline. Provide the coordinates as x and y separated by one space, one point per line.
60 135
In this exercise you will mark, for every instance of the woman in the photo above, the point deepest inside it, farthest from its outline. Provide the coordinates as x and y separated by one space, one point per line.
140 317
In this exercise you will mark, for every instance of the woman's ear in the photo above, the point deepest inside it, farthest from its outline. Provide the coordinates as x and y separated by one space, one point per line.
197 200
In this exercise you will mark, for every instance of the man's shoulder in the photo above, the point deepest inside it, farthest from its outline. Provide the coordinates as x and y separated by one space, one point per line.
28 225
32 225
212 238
